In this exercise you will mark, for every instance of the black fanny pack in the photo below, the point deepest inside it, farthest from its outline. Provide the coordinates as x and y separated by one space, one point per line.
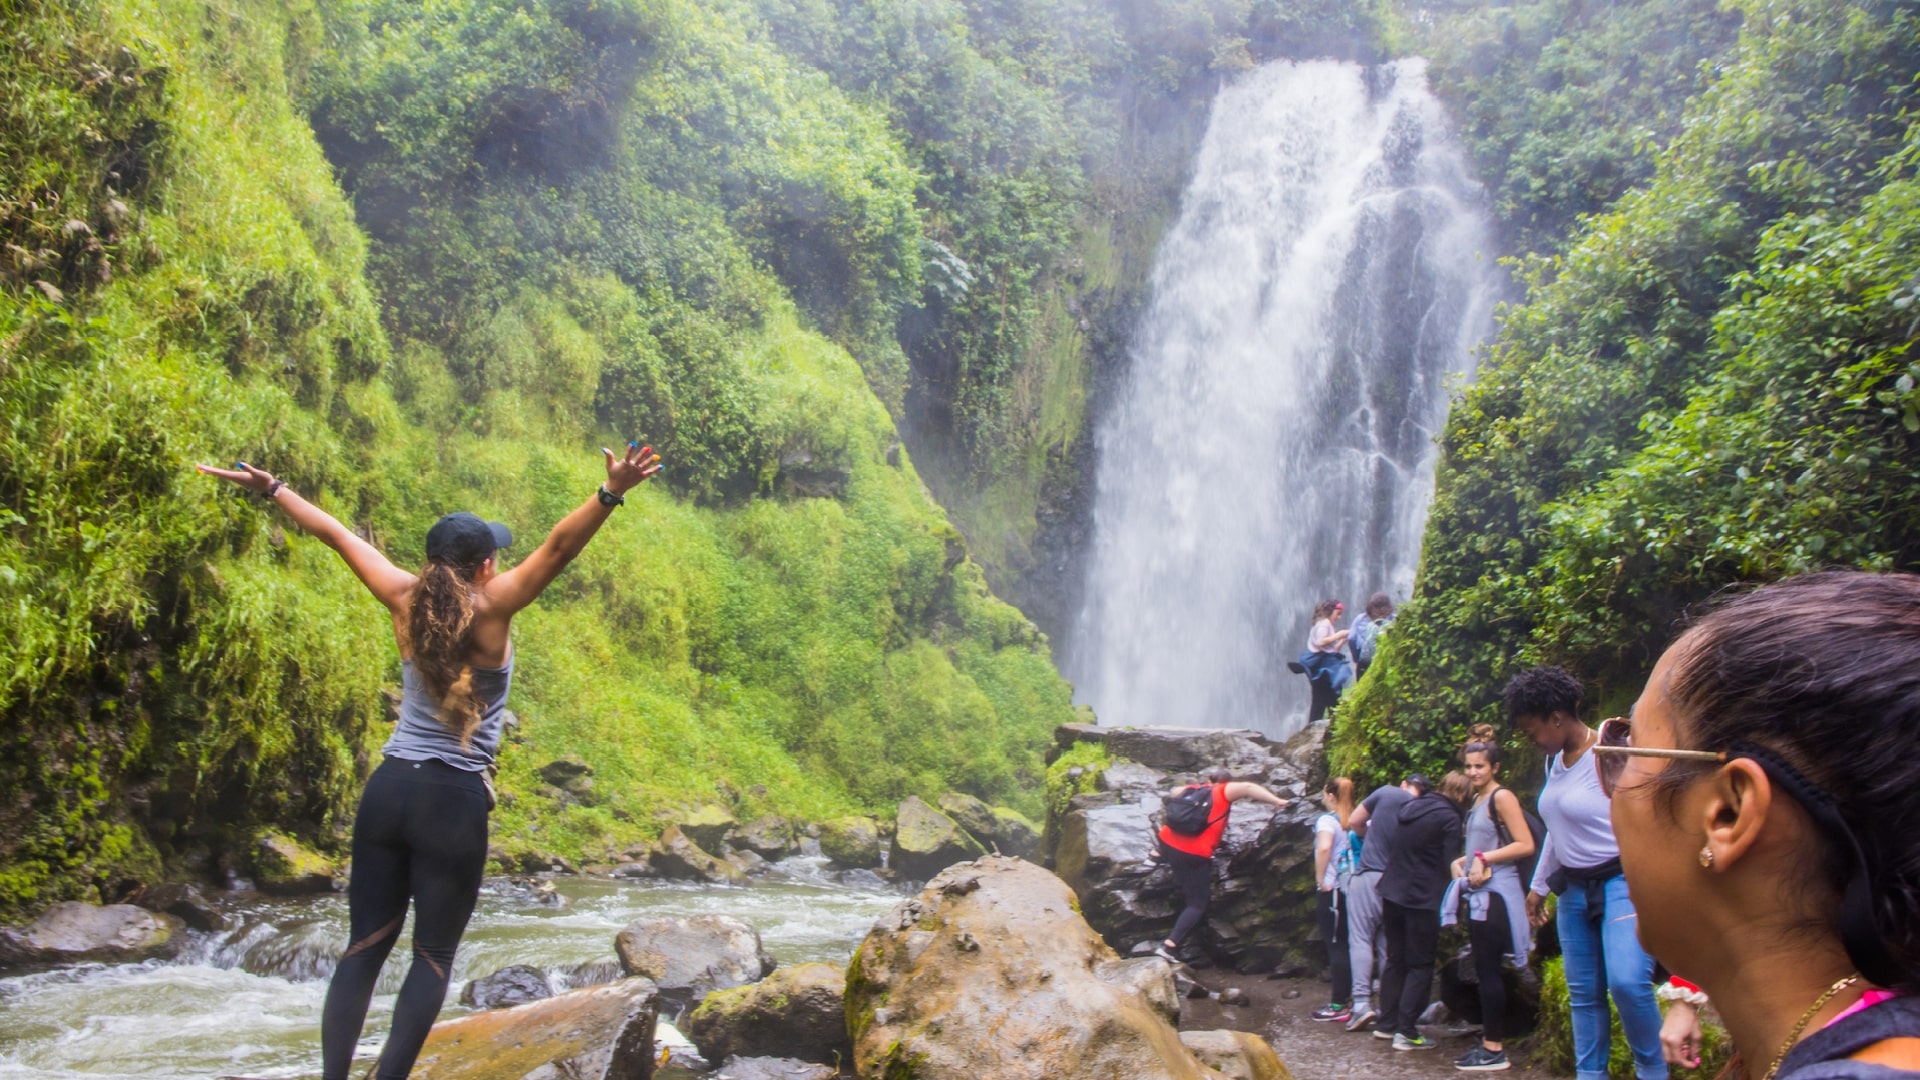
1588 876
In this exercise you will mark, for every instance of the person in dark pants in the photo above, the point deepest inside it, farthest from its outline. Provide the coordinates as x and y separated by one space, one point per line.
421 832
1190 858
1333 865
1419 868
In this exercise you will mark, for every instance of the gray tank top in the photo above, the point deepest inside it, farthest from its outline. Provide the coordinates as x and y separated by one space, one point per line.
1484 835
420 736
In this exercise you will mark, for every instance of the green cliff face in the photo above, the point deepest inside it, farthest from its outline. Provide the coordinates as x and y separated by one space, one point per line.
417 258
1710 385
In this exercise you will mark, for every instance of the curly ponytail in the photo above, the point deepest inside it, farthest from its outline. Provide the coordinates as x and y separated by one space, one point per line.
440 634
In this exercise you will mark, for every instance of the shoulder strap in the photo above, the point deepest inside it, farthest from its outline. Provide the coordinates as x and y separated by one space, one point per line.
1493 811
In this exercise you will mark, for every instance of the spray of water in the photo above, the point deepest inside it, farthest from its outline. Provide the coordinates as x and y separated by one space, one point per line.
1273 444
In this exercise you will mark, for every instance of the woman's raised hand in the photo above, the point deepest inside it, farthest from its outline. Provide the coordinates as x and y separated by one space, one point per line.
630 470
258 481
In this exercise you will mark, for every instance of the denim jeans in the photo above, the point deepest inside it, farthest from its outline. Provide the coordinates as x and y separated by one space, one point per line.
1603 955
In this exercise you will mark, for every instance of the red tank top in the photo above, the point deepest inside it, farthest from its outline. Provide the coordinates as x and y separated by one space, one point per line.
1204 844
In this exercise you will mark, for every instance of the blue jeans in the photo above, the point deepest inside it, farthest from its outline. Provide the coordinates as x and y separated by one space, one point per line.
1603 955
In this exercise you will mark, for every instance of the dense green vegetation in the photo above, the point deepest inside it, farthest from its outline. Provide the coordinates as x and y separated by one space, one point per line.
562 226
1711 385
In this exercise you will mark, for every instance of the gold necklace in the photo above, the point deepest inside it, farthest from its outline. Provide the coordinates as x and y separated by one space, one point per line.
1819 1003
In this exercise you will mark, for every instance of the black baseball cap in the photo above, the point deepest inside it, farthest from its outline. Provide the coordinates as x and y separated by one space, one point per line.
463 539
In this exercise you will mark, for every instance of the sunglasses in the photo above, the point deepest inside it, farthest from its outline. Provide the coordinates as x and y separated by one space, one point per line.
1616 746
1857 930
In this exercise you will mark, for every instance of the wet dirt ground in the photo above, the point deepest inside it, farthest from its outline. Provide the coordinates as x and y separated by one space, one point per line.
1323 1051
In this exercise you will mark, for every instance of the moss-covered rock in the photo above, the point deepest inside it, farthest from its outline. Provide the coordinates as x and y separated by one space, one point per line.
708 826
769 836
796 1012
1015 835
73 932
926 841
851 841
678 857
1236 1055
970 814
283 865
599 1033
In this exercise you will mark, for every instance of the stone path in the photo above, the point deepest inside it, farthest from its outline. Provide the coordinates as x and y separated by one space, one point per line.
1316 1051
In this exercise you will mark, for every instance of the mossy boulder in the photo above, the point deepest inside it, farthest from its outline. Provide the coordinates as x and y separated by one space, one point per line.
769 836
1015 835
852 842
690 957
796 1012
926 841
970 814
991 972
709 826
678 857
284 866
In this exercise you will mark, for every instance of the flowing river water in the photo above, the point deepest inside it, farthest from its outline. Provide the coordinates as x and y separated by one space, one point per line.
247 1001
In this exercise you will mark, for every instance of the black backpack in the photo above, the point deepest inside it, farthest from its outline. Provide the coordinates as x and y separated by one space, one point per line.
1190 813
1527 865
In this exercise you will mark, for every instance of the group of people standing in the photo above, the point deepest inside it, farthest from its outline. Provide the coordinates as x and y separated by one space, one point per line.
1334 658
1755 825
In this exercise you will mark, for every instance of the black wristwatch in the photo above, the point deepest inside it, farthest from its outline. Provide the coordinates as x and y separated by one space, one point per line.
609 500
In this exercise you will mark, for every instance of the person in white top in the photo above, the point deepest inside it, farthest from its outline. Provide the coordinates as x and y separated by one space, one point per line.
1580 861
1324 657
1332 865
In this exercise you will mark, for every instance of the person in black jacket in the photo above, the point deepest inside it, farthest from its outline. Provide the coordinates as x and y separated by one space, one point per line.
1419 859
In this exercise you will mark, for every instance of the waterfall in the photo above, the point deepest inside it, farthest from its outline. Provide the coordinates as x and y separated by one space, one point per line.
1324 285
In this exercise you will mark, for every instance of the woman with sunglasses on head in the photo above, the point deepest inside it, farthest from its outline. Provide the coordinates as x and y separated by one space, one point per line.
420 835
1580 861
1498 838
1768 803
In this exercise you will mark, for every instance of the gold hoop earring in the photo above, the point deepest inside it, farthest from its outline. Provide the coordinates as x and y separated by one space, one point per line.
1706 856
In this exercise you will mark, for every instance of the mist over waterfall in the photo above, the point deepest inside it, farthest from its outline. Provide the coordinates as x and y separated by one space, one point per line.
1324 285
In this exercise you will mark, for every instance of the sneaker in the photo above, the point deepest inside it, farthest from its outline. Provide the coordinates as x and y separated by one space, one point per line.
1382 1033
1481 1059
1334 1013
1166 954
1417 1042
1360 1018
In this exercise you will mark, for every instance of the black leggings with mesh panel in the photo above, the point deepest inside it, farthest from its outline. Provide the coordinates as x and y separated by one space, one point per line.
420 835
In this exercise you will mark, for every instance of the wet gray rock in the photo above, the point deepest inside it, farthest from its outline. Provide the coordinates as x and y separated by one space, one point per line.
770 837
767 1068
600 1033
1262 916
690 957
798 1012
709 826
509 986
970 814
1016 836
185 902
73 932
679 858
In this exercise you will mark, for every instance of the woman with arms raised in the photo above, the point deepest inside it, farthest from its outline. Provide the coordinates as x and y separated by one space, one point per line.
421 830
1767 799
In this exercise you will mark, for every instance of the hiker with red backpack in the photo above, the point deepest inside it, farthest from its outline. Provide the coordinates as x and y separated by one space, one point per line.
1196 819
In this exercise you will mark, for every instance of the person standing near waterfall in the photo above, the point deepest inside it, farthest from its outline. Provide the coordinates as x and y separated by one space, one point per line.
420 835
1324 657
1498 839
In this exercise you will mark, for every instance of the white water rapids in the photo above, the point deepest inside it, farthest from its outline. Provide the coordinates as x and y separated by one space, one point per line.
1324 285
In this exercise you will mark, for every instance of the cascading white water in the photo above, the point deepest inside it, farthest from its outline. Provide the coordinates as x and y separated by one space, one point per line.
1273 444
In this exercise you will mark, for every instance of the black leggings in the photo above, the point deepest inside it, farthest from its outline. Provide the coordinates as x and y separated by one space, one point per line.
1194 875
1333 927
1413 936
421 834
1491 940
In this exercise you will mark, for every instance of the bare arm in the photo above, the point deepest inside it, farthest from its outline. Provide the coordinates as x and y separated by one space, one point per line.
388 583
1240 789
1358 821
1507 805
520 586
1322 855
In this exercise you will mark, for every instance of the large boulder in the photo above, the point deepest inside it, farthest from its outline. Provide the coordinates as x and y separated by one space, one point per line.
990 972
283 865
796 1012
1015 835
853 842
600 1033
510 986
1236 1055
689 957
184 901
772 1068
926 841
769 836
1262 916
678 857
1176 750
709 826
970 814
73 932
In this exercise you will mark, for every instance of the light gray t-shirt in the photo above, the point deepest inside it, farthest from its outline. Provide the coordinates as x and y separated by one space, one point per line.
1578 817
420 736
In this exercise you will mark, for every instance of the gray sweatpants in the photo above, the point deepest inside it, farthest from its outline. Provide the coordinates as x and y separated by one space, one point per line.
1366 937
